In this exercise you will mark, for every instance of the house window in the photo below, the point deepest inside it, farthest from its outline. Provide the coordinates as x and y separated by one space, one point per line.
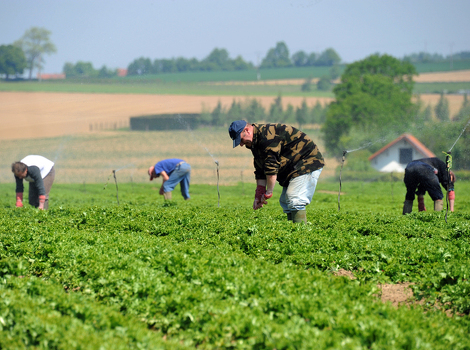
406 155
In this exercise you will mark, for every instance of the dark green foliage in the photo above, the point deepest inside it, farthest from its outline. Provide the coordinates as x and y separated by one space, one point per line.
229 277
324 84
12 60
442 109
374 95
277 57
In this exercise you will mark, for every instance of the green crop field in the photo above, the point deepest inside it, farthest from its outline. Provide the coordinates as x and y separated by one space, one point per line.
155 87
149 274
203 83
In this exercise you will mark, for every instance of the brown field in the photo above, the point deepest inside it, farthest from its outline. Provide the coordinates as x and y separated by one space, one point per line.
39 114
437 77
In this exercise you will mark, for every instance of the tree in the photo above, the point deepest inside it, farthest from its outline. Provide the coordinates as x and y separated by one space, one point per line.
277 57
12 60
464 112
235 112
140 66
80 70
329 57
374 95
289 114
307 85
324 83
300 59
442 109
302 113
218 115
276 113
35 43
218 59
317 115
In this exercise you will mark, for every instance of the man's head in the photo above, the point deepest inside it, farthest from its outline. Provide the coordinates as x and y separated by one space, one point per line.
152 173
19 169
241 133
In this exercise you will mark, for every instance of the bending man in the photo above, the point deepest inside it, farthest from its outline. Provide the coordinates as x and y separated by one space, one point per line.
173 171
428 174
284 154
40 174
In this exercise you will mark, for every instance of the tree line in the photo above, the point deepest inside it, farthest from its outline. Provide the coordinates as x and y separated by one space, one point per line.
253 110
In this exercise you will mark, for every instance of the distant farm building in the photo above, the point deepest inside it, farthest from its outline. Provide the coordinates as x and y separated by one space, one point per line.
121 72
165 122
51 76
397 154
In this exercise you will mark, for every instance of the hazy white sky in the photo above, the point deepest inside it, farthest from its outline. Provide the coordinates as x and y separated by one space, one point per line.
115 32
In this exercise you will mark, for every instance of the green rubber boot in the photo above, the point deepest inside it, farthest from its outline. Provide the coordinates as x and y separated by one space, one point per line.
167 196
299 216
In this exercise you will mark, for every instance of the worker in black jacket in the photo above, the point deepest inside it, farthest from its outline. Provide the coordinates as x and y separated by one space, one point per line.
427 175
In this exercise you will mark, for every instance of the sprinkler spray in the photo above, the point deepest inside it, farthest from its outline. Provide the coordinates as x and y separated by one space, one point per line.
449 164
342 163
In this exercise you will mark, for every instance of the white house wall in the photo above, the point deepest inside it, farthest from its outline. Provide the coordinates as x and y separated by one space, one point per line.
388 160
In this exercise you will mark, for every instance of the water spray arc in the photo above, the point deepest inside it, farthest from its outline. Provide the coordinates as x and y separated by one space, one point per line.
185 124
113 173
449 164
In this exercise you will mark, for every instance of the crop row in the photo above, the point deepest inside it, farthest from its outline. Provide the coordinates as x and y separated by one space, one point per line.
228 278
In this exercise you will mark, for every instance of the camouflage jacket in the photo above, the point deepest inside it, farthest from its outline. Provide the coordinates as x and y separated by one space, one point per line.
285 151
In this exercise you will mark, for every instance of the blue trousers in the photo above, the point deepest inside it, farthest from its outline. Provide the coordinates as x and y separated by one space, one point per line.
181 175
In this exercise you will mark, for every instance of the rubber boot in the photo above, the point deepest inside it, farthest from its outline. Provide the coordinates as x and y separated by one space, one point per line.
299 216
167 196
421 206
289 216
438 205
407 207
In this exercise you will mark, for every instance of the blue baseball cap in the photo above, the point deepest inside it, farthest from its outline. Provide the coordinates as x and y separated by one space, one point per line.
235 129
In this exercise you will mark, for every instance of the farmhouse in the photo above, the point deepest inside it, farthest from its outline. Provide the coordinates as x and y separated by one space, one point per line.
397 154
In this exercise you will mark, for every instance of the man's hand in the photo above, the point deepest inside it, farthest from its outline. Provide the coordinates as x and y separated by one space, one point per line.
260 197
42 200
19 200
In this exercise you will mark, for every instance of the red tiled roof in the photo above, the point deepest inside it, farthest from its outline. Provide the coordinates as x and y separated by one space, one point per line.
413 141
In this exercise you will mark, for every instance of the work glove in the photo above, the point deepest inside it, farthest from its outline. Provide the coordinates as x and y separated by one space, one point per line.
161 191
42 200
451 194
260 197
19 199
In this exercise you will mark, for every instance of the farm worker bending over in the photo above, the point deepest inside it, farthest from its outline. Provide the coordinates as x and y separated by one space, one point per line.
173 171
426 175
40 174
283 153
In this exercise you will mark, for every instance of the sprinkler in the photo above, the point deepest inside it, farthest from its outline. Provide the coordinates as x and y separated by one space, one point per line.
115 180
218 193
342 163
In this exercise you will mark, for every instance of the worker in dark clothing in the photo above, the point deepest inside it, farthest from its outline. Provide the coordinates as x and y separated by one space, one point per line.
428 174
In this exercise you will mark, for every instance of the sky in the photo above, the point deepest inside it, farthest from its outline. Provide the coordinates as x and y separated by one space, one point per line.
115 32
